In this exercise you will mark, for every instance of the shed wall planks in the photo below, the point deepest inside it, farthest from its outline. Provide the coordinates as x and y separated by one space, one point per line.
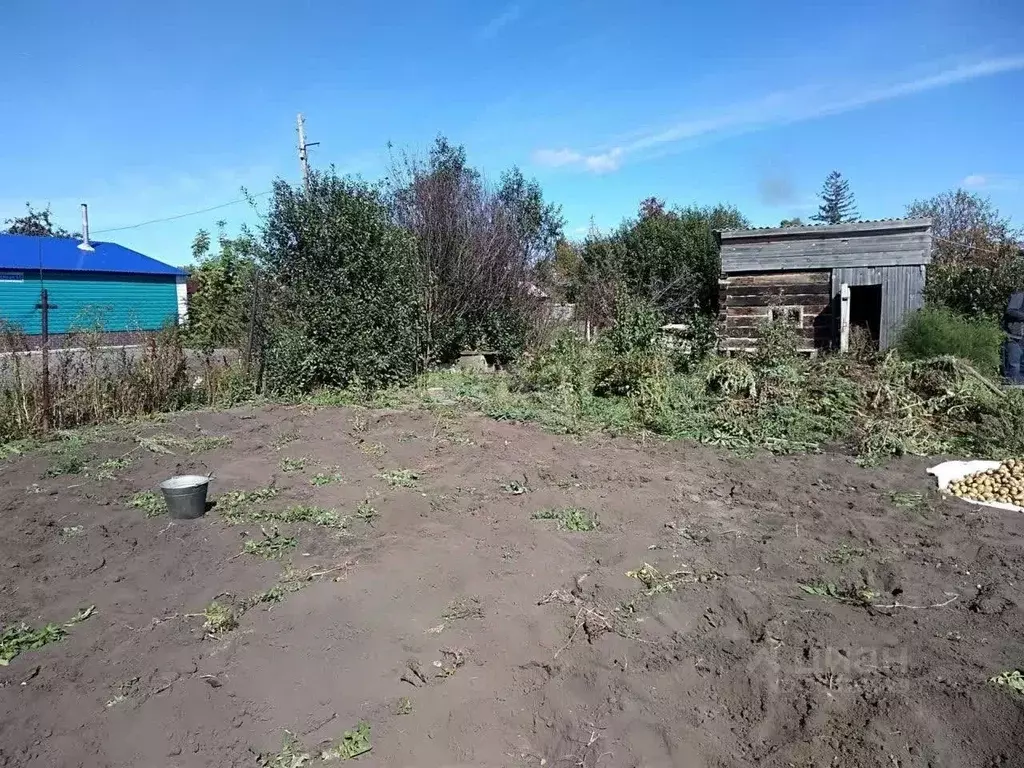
775 251
902 292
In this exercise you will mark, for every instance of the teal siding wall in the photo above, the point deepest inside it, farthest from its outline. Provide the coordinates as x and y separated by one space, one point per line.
84 299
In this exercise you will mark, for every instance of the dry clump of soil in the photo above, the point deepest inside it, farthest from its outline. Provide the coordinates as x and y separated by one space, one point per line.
723 611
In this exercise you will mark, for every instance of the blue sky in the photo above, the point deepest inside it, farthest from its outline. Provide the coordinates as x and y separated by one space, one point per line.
151 110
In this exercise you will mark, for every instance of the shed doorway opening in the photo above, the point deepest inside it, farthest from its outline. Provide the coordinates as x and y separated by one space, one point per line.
866 312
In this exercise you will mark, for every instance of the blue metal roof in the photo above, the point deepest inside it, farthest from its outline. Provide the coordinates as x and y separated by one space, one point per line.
27 252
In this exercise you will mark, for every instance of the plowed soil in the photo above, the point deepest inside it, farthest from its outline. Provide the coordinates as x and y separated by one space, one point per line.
520 644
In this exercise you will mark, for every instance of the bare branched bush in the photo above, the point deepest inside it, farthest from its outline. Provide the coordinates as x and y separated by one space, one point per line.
476 247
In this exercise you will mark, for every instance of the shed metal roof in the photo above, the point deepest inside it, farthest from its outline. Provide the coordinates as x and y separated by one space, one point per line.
62 254
828 230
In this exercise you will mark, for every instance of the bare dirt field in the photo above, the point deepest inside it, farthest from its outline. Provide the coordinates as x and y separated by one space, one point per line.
466 632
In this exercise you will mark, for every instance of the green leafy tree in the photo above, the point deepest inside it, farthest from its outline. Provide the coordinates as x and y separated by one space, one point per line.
976 253
36 222
794 222
345 299
967 228
220 302
837 202
669 257
561 273
536 225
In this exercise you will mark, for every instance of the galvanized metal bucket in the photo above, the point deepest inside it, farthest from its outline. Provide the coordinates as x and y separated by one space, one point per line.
186 496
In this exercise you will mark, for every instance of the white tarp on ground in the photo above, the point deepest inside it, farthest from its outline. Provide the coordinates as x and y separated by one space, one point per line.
950 471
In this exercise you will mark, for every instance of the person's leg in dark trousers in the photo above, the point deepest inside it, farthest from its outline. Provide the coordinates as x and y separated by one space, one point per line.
1012 355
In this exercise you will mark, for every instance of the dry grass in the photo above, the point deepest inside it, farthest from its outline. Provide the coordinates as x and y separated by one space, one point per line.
91 385
462 608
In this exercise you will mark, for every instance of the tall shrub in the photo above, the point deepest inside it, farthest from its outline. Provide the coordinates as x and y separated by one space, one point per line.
218 310
975 289
935 331
344 298
631 351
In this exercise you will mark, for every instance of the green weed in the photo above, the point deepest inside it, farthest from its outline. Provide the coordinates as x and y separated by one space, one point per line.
16 640
243 507
569 518
149 502
403 706
291 755
270 596
326 478
69 461
288 464
237 506
171 444
272 546
1012 679
291 580
70 531
14 448
106 469
219 618
353 744
844 594
303 513
843 554
367 512
400 478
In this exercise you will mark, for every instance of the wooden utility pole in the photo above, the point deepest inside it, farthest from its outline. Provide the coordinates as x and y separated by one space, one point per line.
45 305
303 153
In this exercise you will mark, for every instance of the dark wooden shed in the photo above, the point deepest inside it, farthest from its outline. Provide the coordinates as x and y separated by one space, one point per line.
824 279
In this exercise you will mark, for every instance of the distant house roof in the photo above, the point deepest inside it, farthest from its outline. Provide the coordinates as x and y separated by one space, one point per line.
27 252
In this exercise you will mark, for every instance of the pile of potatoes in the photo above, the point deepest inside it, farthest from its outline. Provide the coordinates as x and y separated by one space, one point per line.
1005 484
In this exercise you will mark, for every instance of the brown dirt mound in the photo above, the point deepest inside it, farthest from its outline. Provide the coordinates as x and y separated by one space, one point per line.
516 643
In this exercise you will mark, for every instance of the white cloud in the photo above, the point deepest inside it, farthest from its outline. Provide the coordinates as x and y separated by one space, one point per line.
601 162
499 22
993 182
556 158
775 109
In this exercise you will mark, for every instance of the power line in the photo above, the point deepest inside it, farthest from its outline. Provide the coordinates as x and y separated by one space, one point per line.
968 246
183 215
